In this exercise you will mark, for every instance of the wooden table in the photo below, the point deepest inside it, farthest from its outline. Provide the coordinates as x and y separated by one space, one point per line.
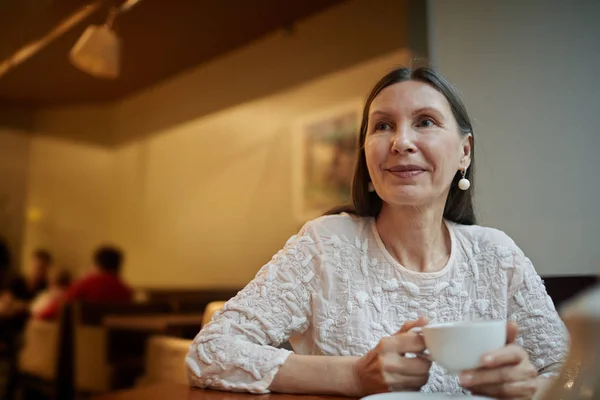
172 391
152 323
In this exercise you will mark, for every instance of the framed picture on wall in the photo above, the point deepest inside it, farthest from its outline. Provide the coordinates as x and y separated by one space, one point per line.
324 156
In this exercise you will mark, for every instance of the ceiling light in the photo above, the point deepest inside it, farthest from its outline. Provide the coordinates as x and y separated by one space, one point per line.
98 50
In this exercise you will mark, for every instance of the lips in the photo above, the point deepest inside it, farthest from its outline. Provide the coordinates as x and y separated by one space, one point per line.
406 171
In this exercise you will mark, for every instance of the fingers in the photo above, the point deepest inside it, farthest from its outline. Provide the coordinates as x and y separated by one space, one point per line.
407 342
398 382
512 329
512 390
506 373
401 373
508 355
510 373
409 366
421 321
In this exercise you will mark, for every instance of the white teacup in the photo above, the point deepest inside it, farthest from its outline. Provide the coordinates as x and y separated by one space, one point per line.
458 346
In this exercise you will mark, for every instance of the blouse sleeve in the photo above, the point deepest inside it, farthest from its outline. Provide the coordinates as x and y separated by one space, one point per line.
541 331
236 350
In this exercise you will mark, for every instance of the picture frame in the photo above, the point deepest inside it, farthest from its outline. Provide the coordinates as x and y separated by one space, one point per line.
324 157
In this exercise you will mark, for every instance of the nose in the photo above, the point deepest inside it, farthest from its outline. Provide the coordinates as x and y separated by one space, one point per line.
403 141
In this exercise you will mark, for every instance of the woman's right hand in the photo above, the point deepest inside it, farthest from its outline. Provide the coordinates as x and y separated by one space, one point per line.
386 369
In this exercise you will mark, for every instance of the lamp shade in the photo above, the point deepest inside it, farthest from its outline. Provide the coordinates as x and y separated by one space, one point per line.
98 52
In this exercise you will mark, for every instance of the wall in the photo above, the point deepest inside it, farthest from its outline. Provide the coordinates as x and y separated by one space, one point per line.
14 161
528 71
208 202
192 177
91 124
69 188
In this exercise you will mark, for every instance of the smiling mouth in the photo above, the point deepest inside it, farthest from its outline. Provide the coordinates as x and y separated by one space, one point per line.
405 171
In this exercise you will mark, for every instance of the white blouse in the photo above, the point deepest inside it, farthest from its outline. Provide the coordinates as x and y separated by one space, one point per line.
334 289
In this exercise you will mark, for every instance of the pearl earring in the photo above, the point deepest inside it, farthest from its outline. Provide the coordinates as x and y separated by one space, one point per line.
370 187
464 183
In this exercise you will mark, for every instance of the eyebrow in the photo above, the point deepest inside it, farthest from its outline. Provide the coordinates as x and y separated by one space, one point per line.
378 112
417 111
428 109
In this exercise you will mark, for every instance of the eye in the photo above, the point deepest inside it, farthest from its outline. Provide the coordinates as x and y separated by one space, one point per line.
426 122
382 126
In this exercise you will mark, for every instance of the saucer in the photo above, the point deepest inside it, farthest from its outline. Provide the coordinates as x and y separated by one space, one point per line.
421 396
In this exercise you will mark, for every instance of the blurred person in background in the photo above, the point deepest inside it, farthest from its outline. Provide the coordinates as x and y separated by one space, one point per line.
102 285
21 289
14 307
4 261
58 283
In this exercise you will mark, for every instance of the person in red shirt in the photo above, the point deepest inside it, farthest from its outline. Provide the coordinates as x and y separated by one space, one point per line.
103 285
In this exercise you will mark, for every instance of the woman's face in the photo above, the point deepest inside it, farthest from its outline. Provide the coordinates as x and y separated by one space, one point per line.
413 146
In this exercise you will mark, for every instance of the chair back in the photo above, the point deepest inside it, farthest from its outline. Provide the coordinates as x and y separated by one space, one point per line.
96 353
210 310
562 288
39 354
45 362
165 360
93 314
192 301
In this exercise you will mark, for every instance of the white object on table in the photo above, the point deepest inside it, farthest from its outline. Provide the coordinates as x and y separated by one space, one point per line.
458 346
420 396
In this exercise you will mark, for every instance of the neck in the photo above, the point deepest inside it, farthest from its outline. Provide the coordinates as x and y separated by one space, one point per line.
104 272
416 236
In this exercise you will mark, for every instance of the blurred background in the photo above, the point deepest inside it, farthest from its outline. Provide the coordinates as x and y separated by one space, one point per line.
176 143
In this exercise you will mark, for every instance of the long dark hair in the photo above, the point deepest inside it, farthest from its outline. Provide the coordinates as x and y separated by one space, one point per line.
459 204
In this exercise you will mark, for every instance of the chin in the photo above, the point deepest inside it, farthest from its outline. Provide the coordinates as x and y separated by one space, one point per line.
408 196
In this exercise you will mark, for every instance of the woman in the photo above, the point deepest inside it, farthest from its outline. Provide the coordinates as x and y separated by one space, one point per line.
347 290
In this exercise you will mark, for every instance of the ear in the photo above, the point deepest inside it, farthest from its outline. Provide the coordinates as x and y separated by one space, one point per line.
466 148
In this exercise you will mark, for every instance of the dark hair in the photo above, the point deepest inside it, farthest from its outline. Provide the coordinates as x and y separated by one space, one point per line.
63 278
459 204
4 256
108 259
44 256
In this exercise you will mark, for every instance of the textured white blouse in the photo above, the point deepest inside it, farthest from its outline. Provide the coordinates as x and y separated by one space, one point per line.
334 289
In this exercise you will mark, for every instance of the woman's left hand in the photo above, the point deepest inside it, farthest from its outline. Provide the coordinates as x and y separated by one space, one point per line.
505 373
